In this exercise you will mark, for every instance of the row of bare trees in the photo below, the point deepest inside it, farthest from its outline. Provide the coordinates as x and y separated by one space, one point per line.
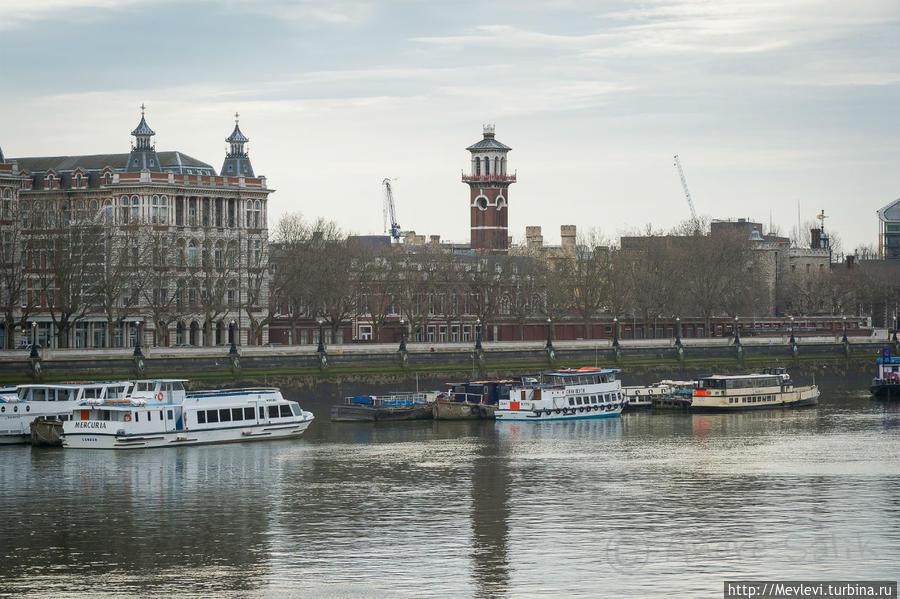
87 267
321 273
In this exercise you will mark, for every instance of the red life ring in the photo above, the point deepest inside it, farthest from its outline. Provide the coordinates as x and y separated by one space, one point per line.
127 418
159 396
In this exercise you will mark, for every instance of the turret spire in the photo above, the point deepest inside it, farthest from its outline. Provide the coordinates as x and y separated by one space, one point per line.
143 154
236 160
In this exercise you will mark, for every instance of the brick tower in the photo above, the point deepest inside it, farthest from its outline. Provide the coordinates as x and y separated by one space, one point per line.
489 194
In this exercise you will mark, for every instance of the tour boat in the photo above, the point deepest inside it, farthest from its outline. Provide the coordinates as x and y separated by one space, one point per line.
887 383
404 405
161 414
565 394
50 403
772 388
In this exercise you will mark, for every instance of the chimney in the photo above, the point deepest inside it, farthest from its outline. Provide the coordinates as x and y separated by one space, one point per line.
567 235
533 238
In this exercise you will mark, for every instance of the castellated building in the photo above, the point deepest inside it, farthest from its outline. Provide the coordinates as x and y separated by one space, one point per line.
94 246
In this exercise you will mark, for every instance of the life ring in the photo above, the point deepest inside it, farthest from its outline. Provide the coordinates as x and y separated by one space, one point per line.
127 418
559 411
159 396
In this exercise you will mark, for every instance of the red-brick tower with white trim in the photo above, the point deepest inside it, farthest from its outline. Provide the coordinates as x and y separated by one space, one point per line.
489 194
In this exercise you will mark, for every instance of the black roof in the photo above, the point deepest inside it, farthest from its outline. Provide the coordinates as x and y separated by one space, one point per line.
489 143
173 161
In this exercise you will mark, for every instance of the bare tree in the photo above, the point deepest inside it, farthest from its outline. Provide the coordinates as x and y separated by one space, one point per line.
15 301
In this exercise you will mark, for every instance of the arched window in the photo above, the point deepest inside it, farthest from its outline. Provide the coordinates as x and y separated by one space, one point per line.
231 255
232 293
23 206
108 212
496 165
135 209
487 165
220 255
78 180
192 253
163 210
7 203
50 181
154 209
503 166
477 166
257 206
107 179
249 221
123 209
38 215
179 253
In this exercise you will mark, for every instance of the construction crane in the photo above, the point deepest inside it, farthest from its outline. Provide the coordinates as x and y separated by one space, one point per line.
687 194
390 211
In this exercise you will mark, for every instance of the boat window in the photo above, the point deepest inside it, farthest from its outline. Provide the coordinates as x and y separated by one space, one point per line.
237 414
248 413
212 415
273 411
224 415
177 387
38 395
169 413
201 417
285 410
593 399
262 413
571 401
295 409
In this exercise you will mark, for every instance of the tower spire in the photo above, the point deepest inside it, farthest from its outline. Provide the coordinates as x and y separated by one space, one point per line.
143 154
237 162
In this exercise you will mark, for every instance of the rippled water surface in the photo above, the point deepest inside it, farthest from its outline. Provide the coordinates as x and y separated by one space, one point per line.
648 505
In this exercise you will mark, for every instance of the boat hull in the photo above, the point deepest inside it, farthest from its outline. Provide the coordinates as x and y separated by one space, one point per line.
235 434
885 391
345 413
449 410
571 414
795 399
46 432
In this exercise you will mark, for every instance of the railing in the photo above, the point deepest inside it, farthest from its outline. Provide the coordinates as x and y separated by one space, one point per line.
488 178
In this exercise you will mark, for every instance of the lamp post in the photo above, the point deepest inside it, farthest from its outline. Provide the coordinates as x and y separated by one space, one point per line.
677 331
478 334
615 342
737 336
895 340
232 351
321 347
793 339
402 336
137 340
549 333
34 352
844 328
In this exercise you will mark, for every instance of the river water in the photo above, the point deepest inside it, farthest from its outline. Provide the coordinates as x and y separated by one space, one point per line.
648 505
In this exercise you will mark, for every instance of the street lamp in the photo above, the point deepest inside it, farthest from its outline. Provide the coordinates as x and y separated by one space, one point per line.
402 335
321 348
844 327
549 340
137 340
677 331
478 334
34 352
895 330
737 337
793 340
233 350
615 342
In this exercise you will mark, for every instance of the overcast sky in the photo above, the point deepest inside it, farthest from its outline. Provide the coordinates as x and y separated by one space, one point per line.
768 103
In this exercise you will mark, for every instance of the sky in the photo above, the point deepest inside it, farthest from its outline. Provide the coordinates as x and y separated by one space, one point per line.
770 104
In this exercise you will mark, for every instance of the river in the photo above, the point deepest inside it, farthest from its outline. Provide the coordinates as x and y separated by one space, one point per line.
649 505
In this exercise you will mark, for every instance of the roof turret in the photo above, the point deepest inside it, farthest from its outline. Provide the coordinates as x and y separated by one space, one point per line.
237 163
143 153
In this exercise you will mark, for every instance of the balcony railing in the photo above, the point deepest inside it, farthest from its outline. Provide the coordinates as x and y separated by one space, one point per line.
489 178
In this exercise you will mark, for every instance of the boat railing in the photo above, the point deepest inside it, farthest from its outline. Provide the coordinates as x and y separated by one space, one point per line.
230 392
463 397
388 401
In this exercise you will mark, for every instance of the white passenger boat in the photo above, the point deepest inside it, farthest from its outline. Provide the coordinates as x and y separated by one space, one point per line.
161 414
23 404
641 396
772 388
565 394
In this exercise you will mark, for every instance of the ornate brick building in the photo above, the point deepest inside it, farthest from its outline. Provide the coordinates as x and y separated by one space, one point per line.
93 245
489 194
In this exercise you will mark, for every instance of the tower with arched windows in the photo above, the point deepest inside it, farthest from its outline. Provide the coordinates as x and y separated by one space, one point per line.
143 153
237 162
488 184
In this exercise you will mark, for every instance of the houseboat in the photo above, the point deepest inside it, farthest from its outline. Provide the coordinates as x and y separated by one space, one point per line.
49 404
393 406
679 397
565 394
886 384
474 400
638 397
772 388
162 414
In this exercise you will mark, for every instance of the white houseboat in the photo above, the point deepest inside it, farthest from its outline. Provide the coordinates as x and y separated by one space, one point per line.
161 414
22 405
639 397
565 394
771 389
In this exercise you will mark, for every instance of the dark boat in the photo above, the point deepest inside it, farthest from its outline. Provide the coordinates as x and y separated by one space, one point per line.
887 384
46 431
473 400
377 408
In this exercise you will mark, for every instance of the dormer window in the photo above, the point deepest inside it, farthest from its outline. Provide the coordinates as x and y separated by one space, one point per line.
152 163
50 181
107 179
78 180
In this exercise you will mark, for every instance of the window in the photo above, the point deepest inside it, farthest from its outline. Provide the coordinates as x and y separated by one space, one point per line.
237 414
135 208
262 413
192 253
224 415
123 209
170 414
212 415
248 413
273 411
285 410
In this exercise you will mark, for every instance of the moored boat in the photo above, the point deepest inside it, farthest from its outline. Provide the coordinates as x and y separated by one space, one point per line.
161 414
474 400
376 408
51 403
886 385
565 394
639 397
772 388
678 397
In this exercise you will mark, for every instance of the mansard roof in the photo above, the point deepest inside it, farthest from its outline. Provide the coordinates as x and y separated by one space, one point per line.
489 143
172 161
